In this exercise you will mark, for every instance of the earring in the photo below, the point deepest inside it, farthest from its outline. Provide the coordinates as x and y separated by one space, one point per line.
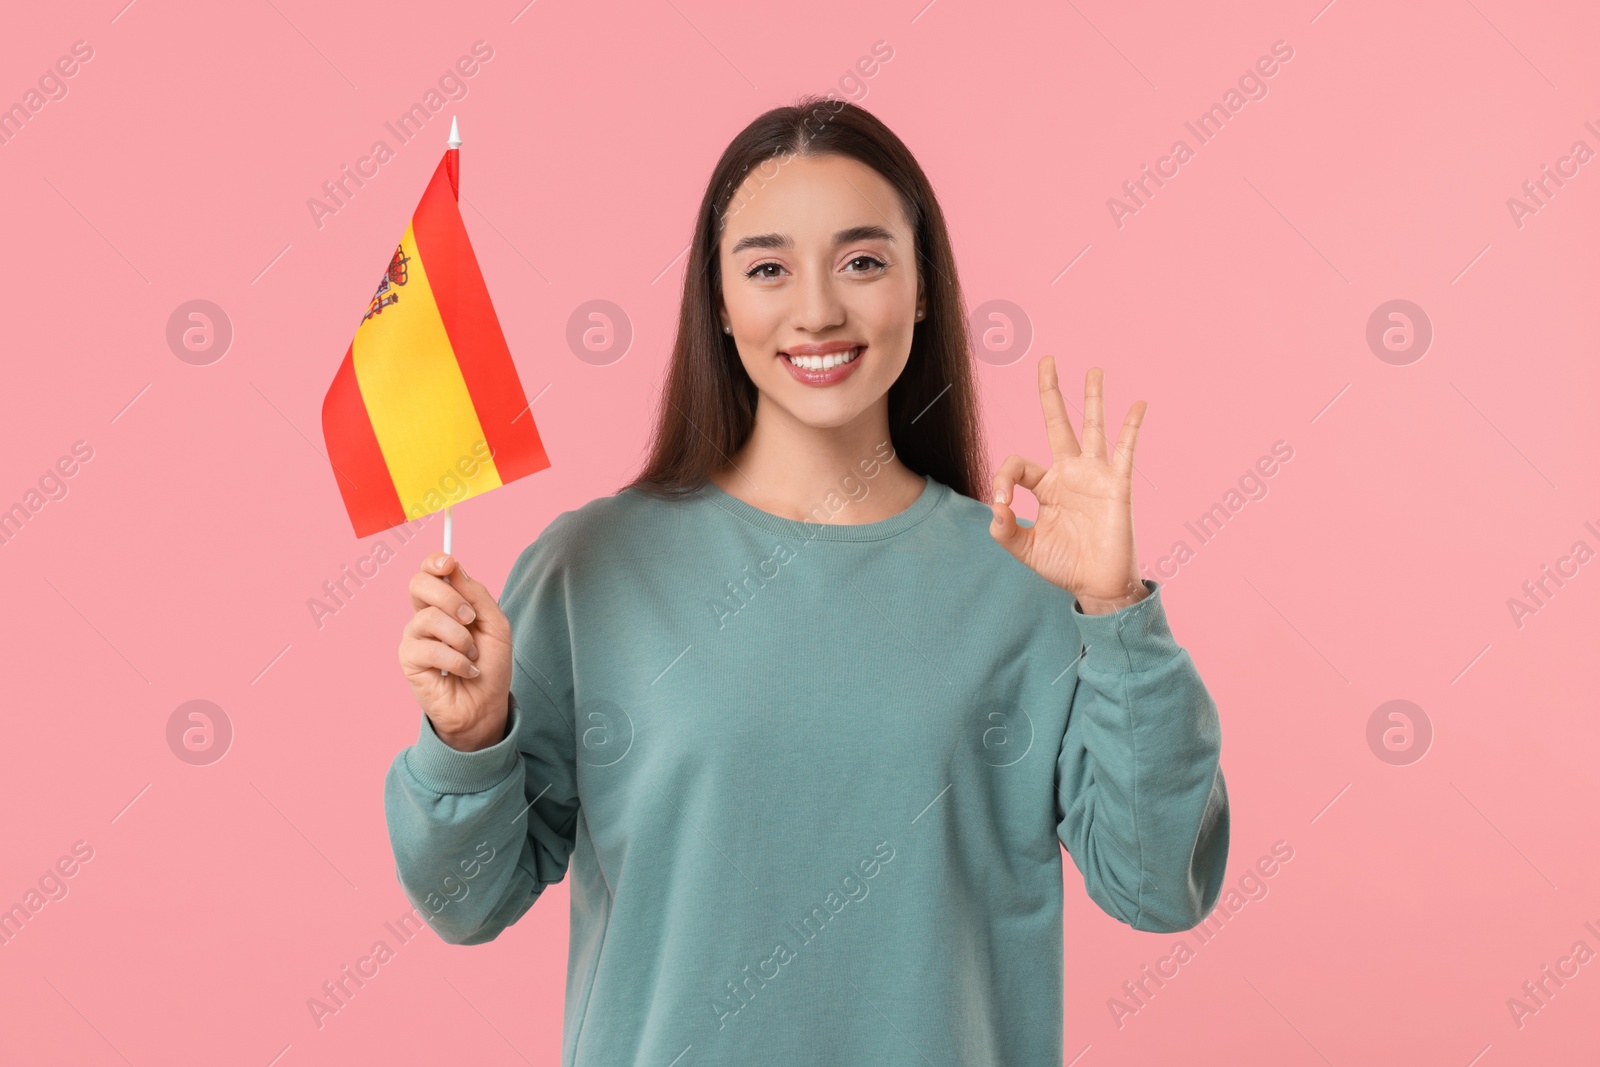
727 329
919 314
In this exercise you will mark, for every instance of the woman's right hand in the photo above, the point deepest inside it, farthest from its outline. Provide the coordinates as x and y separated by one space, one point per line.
458 627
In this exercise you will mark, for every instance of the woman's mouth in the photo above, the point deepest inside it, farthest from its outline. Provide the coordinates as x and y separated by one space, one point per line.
826 369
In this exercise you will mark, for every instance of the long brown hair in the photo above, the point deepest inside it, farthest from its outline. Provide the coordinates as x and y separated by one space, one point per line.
708 403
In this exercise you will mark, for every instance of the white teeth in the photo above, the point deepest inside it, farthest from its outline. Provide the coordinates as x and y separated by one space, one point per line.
828 362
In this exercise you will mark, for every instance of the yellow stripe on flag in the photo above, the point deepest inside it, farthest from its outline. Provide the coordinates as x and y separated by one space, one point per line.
421 411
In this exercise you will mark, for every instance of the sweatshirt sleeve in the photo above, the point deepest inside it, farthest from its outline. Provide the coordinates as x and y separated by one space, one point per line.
1142 806
478 835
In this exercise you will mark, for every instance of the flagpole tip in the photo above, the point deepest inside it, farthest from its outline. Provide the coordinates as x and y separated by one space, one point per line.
455 133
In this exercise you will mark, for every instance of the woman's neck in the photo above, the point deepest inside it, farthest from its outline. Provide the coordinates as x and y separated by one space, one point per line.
843 475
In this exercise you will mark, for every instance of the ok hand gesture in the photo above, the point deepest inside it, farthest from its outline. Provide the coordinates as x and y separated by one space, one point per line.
1082 540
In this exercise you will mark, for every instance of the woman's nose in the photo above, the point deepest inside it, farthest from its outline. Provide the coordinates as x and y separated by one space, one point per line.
818 305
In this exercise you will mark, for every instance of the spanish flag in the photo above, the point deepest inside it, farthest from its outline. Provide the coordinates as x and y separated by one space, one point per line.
427 409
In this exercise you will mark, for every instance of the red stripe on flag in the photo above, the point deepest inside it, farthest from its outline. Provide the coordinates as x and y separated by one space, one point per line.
358 463
474 331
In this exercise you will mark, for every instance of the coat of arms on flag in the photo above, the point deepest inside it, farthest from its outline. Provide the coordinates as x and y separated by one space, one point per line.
426 409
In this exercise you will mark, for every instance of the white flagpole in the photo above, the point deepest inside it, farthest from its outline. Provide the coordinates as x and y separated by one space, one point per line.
454 142
447 531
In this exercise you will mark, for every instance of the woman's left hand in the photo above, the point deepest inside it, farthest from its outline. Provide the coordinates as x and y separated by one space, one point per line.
1082 540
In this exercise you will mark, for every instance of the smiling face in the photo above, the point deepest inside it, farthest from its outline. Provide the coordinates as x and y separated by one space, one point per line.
820 287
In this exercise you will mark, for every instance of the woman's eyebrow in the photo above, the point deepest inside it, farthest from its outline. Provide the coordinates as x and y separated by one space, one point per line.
783 240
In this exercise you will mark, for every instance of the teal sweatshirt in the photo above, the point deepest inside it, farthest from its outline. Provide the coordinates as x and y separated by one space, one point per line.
811 784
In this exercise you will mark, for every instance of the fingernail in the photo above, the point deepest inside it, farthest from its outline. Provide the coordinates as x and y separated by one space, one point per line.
441 562
472 671
472 653
999 496
465 613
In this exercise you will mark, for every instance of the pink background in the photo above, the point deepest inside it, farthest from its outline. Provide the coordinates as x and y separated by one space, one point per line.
1379 566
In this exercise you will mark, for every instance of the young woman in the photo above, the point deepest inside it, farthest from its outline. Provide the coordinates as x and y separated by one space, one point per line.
807 722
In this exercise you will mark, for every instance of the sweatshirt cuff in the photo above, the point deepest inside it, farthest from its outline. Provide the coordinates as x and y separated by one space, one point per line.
447 770
1130 639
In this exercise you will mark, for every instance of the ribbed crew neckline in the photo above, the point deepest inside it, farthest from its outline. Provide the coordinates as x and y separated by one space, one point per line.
933 493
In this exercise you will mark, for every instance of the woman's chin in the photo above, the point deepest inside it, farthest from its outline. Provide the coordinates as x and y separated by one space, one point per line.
823 413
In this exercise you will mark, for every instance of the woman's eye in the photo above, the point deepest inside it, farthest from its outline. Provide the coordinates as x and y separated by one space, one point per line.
874 260
755 270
